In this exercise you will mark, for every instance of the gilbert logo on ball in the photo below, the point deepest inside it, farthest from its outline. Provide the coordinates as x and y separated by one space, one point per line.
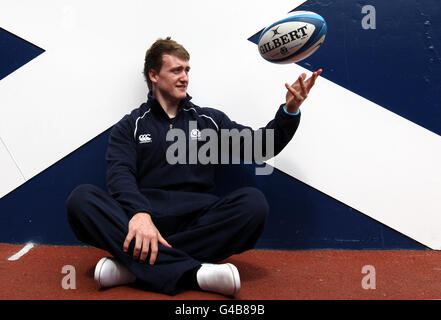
293 38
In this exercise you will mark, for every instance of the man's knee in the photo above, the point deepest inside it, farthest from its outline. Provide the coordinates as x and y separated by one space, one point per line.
79 199
254 204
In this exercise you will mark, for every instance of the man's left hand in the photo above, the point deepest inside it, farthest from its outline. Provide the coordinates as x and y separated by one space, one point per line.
299 90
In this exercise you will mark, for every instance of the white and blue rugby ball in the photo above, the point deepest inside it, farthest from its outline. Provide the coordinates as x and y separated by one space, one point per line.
293 38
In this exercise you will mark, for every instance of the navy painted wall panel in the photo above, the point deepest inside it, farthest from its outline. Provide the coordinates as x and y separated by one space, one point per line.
15 52
303 218
36 210
396 65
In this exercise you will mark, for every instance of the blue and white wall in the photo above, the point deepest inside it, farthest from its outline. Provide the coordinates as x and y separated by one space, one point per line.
363 171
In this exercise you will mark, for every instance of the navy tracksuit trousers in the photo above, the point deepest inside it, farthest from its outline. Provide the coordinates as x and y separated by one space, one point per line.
210 230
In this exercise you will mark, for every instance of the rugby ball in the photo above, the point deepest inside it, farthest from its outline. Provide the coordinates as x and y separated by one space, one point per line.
292 38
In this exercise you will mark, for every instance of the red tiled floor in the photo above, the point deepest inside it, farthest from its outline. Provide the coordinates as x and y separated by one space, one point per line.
265 275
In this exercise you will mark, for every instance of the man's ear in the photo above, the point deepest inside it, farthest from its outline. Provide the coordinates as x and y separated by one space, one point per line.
153 75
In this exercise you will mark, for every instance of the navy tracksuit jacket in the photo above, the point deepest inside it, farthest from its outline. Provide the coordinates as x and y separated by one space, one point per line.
200 226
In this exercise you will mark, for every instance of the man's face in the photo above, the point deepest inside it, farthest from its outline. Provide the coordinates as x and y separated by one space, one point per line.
172 80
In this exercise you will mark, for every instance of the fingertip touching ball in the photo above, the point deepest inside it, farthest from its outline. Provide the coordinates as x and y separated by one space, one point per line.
292 38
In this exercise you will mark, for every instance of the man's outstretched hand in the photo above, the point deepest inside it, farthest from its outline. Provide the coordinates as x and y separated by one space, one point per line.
299 90
147 236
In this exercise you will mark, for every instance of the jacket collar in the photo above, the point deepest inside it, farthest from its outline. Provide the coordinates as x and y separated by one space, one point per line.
153 103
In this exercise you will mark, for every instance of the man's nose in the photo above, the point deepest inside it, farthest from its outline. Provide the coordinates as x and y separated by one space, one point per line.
184 76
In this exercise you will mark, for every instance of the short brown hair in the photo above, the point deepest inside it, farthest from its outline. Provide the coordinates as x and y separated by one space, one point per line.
153 56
